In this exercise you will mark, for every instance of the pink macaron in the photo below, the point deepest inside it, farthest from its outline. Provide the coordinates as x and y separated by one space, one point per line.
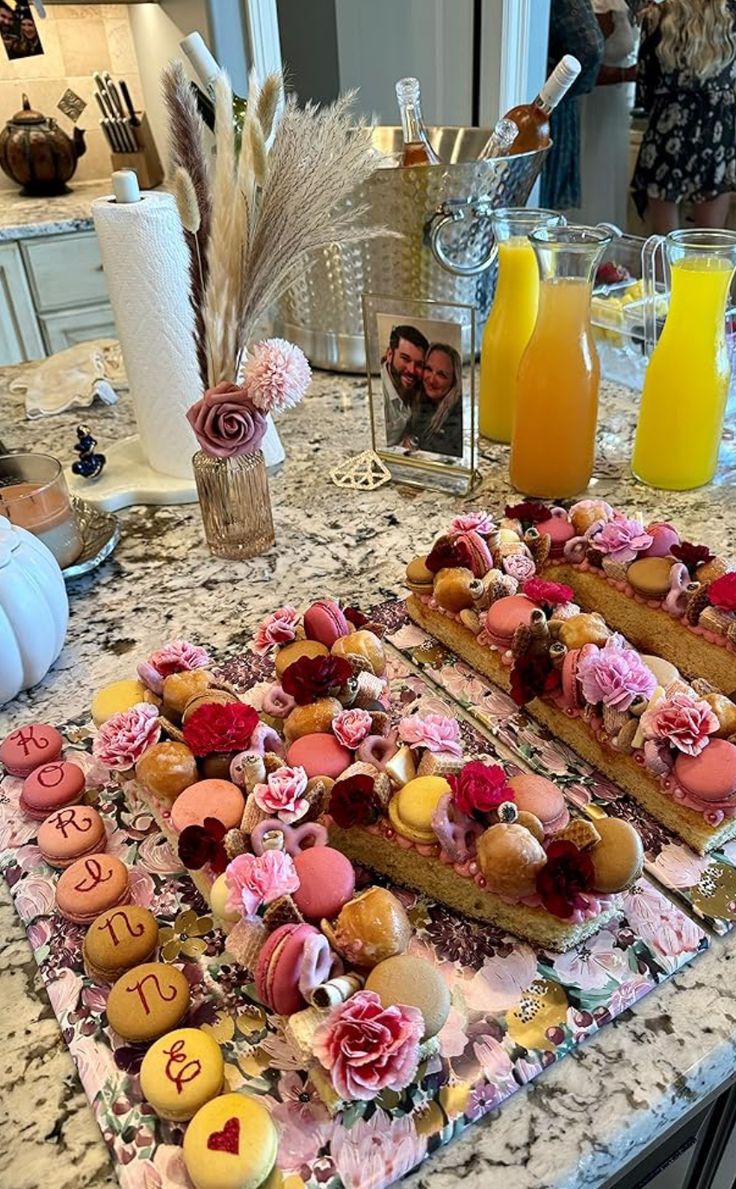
28 747
711 776
537 795
319 755
326 882
91 886
571 694
52 786
279 966
664 536
220 799
559 530
70 834
325 622
505 615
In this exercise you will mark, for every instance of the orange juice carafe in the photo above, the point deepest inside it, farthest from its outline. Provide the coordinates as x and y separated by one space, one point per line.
553 441
687 378
512 317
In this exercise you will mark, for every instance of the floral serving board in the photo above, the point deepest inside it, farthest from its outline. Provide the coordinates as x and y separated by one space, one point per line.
706 883
515 1011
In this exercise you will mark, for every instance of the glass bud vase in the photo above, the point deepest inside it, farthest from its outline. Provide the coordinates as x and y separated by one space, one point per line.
235 503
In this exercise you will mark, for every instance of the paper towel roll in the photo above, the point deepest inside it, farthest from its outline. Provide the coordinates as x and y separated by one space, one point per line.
146 265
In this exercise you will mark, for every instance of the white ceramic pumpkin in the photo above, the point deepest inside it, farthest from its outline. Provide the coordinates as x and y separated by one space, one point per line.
34 610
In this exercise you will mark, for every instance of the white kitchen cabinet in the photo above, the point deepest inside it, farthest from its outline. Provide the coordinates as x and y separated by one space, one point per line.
64 329
64 271
20 335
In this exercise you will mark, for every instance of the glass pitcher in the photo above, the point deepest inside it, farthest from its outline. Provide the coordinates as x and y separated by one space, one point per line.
512 317
553 442
688 375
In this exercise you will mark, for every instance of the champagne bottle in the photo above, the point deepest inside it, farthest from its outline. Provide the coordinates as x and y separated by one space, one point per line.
532 119
207 71
417 149
501 140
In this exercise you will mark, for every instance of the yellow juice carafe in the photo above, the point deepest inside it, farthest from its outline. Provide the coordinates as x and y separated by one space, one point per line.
512 317
687 378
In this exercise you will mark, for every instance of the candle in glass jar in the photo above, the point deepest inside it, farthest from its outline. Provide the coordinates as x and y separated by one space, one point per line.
47 513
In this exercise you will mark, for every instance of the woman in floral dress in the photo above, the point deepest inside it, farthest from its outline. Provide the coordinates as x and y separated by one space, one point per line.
687 82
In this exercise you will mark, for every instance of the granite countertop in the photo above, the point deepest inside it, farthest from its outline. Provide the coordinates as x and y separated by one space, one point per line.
656 1062
27 218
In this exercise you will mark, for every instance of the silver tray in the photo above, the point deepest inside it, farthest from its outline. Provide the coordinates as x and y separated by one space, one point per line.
100 534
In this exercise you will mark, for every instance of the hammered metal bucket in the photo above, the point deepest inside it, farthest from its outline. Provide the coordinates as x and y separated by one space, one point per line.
442 212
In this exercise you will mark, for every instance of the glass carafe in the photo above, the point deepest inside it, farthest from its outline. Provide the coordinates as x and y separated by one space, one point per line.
553 442
687 378
512 317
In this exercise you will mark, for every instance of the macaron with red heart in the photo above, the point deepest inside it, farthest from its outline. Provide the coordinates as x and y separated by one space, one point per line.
52 786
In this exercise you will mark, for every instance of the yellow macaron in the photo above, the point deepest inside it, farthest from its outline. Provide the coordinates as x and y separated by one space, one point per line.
411 809
218 902
120 695
181 1072
231 1143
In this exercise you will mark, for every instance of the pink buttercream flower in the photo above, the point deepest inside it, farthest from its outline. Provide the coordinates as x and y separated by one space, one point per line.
367 1048
683 720
122 740
277 375
226 423
277 628
479 521
175 657
615 677
281 796
520 566
351 727
255 880
622 539
436 732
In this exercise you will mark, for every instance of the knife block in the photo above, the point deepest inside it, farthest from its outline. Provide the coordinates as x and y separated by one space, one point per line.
146 161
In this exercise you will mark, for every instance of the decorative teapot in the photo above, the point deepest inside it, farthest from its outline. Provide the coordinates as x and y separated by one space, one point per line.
37 153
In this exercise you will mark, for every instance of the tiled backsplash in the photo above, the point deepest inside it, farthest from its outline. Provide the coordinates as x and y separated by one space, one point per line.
77 39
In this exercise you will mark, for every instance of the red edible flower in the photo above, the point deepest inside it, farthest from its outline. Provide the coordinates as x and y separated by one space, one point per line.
531 676
354 616
722 592
528 512
214 727
479 788
691 555
551 593
313 677
353 802
567 872
448 552
199 845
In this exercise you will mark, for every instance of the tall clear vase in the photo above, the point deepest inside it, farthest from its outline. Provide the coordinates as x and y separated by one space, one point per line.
235 503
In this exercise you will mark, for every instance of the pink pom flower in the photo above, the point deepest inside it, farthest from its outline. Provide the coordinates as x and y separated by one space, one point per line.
277 375
281 795
255 880
175 657
682 720
368 1048
519 566
226 423
351 727
622 539
436 732
277 628
551 593
480 522
122 740
614 676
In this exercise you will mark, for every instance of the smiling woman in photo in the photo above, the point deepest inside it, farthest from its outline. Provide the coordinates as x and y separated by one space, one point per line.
436 423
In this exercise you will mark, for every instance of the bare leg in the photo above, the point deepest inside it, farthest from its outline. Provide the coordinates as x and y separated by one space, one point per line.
713 213
664 216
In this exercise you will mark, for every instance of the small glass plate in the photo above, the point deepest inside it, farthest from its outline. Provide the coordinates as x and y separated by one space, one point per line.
100 534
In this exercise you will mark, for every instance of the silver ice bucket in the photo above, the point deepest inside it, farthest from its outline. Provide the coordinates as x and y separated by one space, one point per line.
442 212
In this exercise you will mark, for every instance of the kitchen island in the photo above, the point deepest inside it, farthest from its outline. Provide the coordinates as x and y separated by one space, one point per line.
588 1116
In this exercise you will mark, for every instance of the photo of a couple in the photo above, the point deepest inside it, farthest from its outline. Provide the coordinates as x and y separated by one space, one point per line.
422 382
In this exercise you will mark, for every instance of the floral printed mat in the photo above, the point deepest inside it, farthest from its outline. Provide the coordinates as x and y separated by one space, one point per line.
706 884
514 1012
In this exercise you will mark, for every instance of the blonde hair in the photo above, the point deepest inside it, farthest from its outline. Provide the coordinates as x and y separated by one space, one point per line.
697 37
451 398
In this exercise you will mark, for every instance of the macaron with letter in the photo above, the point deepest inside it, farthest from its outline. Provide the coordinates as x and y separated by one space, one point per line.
537 795
181 1072
28 747
279 966
411 809
325 622
148 1001
52 786
119 939
220 799
231 1143
70 834
326 882
90 886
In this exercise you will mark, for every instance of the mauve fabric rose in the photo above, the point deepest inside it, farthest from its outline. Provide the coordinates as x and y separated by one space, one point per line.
479 521
351 727
226 422
367 1048
682 720
519 566
122 740
436 732
177 656
277 628
622 539
254 880
615 677
282 794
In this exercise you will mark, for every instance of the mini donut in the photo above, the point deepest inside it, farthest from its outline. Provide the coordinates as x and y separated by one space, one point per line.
618 859
295 651
314 719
